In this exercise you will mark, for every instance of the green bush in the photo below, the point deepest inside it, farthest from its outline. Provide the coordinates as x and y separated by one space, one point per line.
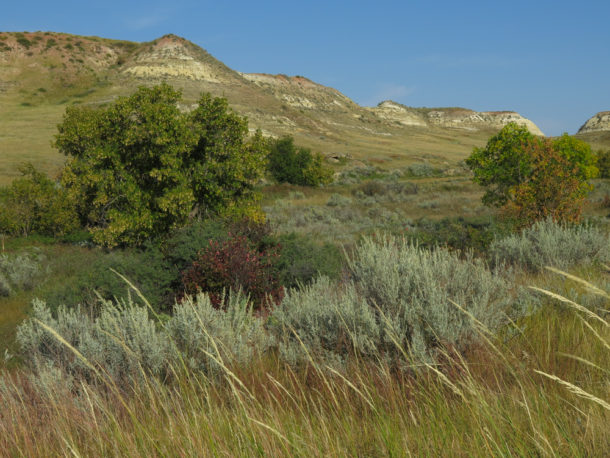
146 269
603 163
183 245
139 167
547 243
35 204
296 165
455 233
302 260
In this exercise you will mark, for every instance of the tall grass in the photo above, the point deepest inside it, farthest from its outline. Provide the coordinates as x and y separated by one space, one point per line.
541 391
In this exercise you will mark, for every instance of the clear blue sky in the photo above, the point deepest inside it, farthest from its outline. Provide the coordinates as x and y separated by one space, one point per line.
548 60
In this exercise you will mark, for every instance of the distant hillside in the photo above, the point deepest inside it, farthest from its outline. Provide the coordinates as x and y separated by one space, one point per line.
43 72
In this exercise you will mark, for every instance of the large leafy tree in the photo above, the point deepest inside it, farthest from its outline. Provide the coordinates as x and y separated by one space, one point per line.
140 167
532 176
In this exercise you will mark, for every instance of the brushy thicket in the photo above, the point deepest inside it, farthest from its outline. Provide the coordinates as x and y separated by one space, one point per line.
146 268
18 272
399 301
239 265
127 344
396 308
550 244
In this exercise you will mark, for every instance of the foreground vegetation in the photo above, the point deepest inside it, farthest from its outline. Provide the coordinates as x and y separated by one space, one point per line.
536 388
332 371
352 321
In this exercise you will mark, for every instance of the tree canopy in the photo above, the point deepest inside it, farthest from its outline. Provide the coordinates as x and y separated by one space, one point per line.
140 167
35 203
296 165
532 177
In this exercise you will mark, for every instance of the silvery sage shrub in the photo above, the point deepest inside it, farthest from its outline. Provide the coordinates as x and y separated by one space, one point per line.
324 320
398 303
414 291
207 336
18 272
547 243
123 342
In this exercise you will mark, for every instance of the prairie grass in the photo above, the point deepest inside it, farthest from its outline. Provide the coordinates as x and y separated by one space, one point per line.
540 388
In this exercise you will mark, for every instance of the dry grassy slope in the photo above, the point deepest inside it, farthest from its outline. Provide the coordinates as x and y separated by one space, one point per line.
597 130
43 72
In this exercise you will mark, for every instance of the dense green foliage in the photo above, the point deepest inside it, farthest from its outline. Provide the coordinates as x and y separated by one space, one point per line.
302 260
603 163
518 168
556 188
146 268
296 165
34 203
456 233
140 167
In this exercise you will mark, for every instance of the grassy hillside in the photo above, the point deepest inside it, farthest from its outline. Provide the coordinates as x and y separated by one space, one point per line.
41 73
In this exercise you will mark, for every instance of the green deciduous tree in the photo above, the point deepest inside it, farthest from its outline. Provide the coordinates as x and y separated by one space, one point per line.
34 203
140 167
296 165
531 177
603 163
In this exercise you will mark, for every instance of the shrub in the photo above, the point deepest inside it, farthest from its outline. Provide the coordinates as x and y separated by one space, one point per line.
291 164
235 264
35 204
603 163
18 272
553 190
330 322
412 289
301 260
549 243
140 168
421 170
455 233
338 200
23 41
399 301
126 344
146 269
205 333
534 178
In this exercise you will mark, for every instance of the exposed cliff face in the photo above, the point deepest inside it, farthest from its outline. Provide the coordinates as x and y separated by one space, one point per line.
42 73
301 93
392 111
598 123
173 57
460 118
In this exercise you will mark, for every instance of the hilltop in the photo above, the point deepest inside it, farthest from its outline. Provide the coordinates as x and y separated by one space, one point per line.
41 73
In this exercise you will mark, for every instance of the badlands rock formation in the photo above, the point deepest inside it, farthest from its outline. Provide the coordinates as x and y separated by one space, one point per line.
599 122
460 118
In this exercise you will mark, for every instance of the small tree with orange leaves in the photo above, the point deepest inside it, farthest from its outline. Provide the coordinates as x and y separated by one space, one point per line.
531 178
554 188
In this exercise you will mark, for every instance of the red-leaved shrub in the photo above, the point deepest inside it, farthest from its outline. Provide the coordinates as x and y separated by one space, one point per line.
235 264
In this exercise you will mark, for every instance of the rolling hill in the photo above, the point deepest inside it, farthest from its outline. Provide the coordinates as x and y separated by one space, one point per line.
41 73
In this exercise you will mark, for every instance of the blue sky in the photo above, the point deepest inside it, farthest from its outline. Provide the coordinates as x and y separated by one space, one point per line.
548 60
